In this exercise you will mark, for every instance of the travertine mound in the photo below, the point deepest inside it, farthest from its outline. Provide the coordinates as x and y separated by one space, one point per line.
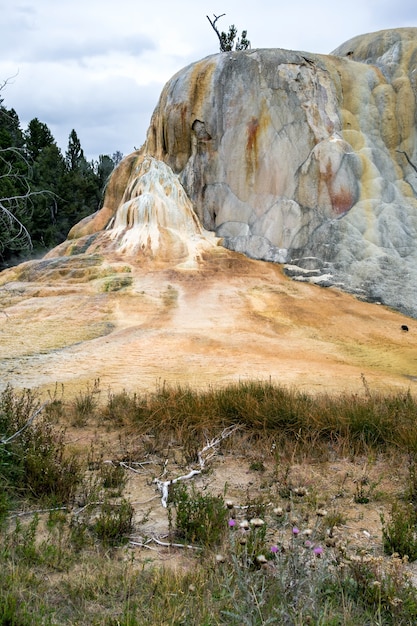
146 215
304 159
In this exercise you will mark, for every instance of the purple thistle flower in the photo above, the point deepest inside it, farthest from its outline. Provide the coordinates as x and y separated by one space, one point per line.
232 522
295 531
308 544
274 549
318 550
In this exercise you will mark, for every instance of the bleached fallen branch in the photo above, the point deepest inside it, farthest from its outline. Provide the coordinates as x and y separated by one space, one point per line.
164 485
169 544
164 544
28 423
37 511
214 443
132 469
141 502
141 545
126 466
86 507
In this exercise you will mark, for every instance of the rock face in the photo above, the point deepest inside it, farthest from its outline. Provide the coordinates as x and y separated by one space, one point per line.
291 157
304 159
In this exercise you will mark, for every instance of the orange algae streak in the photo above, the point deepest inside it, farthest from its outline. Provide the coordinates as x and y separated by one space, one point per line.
342 201
256 127
200 85
252 145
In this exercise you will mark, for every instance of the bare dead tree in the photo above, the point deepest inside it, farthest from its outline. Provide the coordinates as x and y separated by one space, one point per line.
16 171
13 232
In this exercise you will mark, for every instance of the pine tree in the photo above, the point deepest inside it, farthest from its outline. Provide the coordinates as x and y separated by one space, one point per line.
74 156
43 193
227 40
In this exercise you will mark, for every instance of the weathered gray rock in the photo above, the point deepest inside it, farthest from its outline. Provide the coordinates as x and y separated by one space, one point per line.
303 159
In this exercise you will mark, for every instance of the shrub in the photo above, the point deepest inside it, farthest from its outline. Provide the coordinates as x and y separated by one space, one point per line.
114 523
33 463
85 404
200 518
399 534
113 477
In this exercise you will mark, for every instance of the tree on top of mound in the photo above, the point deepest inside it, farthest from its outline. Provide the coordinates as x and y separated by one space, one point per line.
227 40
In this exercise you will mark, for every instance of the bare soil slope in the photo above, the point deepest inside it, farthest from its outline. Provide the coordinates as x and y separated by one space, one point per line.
75 319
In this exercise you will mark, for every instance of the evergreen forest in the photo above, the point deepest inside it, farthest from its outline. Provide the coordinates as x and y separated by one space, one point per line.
43 192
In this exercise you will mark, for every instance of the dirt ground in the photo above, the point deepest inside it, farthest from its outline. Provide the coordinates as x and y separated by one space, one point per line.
353 492
77 319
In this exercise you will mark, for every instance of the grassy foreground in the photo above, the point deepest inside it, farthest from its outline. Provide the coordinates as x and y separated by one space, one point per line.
74 549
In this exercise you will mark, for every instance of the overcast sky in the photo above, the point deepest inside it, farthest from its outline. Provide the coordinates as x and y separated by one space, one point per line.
99 66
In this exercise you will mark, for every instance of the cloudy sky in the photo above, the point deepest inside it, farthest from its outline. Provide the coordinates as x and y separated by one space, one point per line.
99 66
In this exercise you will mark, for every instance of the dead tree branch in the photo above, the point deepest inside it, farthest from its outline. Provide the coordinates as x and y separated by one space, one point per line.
166 544
28 423
36 512
214 27
164 485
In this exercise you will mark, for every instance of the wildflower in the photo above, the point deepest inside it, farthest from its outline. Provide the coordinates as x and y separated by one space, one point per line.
261 559
321 512
229 504
274 549
279 511
295 531
191 588
232 522
257 521
318 551
220 558
244 524
308 544
307 532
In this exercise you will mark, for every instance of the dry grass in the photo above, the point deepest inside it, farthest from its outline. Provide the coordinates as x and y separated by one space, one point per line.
327 466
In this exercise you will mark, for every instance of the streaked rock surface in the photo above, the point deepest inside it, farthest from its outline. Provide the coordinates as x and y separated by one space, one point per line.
304 159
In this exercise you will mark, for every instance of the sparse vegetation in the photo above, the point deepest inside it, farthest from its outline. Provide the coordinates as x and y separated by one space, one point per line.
200 519
74 551
227 40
